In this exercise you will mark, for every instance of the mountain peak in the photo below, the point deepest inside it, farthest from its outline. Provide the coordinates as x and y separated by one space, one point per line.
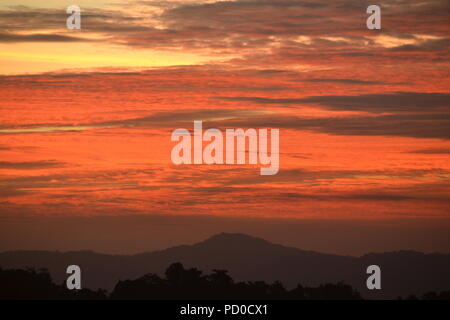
234 237
234 241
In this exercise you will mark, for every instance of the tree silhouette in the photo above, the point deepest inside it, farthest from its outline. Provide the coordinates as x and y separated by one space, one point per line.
30 284
179 283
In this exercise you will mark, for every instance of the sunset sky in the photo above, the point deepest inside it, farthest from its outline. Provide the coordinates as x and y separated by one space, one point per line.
86 119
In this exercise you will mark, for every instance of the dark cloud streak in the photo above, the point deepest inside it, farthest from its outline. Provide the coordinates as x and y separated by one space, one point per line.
10 37
30 165
374 103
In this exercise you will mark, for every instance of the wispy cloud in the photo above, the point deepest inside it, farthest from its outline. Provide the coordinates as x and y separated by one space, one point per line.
247 27
411 102
433 125
30 165
10 37
437 151
347 81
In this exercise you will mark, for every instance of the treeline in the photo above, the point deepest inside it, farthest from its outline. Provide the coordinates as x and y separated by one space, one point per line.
30 284
178 283
181 283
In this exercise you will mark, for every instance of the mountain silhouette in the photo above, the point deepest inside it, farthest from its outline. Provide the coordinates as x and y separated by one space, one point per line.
251 259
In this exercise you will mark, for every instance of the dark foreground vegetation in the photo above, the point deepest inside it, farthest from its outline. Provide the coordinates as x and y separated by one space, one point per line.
178 283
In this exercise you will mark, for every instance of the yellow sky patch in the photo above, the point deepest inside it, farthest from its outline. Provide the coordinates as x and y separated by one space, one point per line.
20 58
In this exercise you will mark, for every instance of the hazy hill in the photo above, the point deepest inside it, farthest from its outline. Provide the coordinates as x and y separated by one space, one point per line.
249 258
